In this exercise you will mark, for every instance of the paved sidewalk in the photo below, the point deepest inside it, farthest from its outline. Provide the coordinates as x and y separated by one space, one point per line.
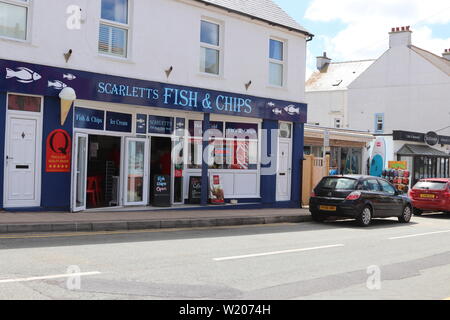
143 220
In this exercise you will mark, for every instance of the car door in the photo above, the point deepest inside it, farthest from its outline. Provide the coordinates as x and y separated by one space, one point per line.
373 194
392 202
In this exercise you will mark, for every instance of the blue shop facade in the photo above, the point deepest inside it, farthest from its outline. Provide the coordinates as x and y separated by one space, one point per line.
125 142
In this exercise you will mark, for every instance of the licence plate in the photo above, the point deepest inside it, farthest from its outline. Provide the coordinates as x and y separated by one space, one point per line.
427 196
328 208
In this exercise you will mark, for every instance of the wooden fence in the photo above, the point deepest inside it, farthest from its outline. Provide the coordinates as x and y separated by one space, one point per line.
314 169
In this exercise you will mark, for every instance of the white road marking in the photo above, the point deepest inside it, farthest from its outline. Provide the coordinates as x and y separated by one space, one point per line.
419 235
276 253
58 276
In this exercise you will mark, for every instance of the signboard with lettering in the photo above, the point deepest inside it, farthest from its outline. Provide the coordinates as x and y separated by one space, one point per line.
49 81
141 123
161 191
241 130
58 152
89 119
398 165
119 122
160 125
195 190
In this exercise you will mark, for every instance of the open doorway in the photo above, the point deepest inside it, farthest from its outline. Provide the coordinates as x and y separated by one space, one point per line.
160 159
103 171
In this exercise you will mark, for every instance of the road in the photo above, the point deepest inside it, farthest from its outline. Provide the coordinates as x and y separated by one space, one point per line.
336 260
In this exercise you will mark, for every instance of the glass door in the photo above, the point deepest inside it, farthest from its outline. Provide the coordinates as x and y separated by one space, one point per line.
80 172
178 170
136 172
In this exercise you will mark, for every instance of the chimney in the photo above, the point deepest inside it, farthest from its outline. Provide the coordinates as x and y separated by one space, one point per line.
323 61
446 54
400 37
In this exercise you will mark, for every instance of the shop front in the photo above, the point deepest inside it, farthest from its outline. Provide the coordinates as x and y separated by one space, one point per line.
126 142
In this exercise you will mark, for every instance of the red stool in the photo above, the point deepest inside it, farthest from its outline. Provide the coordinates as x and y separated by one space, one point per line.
92 190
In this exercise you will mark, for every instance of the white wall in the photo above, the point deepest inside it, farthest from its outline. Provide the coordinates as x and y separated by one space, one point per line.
164 33
325 106
413 94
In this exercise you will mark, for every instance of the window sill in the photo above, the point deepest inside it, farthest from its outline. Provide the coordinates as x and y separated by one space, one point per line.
115 59
210 75
271 86
16 41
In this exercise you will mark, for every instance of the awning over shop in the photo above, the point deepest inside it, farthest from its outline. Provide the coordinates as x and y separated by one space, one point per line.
412 150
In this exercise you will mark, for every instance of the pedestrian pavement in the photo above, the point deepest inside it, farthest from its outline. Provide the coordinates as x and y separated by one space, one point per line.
39 222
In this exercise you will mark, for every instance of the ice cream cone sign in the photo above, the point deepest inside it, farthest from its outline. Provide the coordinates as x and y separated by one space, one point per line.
67 96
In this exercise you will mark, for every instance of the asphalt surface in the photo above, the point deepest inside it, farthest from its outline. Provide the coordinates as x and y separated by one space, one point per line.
336 260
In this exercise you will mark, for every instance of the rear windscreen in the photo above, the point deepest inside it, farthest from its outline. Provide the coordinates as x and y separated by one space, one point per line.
430 185
338 184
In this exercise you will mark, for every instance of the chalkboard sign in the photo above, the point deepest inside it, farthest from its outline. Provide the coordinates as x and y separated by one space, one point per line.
161 191
195 190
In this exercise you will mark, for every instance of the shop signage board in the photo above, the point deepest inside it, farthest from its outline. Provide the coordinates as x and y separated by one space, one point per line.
160 125
398 165
58 152
216 193
141 123
195 190
161 191
431 138
241 130
49 81
89 119
118 122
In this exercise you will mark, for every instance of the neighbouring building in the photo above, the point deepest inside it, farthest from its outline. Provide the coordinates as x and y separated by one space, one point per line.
95 94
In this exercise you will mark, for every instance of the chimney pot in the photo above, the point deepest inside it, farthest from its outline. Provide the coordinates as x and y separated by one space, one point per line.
402 36
323 61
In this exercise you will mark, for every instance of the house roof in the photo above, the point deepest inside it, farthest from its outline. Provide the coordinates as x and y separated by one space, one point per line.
438 61
419 150
264 10
337 75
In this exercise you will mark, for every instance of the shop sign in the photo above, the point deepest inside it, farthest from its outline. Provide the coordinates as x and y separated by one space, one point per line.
141 123
196 128
444 140
160 125
119 122
398 165
217 195
58 152
49 81
241 130
431 138
89 119
161 191
180 126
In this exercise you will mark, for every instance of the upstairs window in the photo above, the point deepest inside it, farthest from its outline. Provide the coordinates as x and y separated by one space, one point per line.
379 123
14 19
210 47
276 63
114 28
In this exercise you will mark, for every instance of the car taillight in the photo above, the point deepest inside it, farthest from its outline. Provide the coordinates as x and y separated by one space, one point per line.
354 196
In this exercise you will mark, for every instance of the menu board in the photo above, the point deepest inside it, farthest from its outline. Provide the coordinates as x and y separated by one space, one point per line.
161 191
195 190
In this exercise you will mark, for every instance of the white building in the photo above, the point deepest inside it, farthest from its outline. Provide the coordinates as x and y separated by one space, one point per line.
141 70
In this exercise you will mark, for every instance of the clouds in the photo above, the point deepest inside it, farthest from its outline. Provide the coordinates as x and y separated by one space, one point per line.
367 23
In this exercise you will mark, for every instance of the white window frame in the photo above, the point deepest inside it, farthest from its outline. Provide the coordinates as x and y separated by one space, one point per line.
219 48
26 5
379 119
275 61
119 25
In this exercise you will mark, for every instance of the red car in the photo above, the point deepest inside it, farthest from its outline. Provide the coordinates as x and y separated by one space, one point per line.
431 195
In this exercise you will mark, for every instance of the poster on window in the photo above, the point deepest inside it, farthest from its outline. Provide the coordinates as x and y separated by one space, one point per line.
217 195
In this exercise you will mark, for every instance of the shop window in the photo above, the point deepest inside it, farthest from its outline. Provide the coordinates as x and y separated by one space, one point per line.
24 103
14 19
114 28
276 63
210 47
379 123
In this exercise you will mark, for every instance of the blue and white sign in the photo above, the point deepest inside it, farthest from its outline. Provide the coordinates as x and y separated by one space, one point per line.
119 122
160 125
89 119
141 123
49 81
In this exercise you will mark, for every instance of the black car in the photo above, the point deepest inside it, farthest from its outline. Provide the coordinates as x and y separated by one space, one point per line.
359 197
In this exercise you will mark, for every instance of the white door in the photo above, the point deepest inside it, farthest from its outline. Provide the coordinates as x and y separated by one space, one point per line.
284 171
22 172
136 172
80 157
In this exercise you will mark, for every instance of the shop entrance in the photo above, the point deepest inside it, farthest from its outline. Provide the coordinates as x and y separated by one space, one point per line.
160 160
97 171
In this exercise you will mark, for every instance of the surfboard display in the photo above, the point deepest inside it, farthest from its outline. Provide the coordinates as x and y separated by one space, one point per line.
378 158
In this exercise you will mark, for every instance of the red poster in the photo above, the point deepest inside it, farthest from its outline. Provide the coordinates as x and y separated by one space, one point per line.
59 152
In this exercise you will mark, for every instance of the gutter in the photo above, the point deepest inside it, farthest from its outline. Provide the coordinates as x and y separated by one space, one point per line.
306 33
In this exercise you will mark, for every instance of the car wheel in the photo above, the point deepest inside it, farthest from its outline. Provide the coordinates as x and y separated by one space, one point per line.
365 217
417 212
406 215
317 217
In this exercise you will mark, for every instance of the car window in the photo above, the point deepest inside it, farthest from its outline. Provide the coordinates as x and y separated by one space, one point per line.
430 185
338 183
387 187
372 185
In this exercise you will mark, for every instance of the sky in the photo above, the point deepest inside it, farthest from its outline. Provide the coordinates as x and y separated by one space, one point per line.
359 29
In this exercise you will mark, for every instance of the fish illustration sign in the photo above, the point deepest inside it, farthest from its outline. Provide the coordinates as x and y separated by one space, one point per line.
49 81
